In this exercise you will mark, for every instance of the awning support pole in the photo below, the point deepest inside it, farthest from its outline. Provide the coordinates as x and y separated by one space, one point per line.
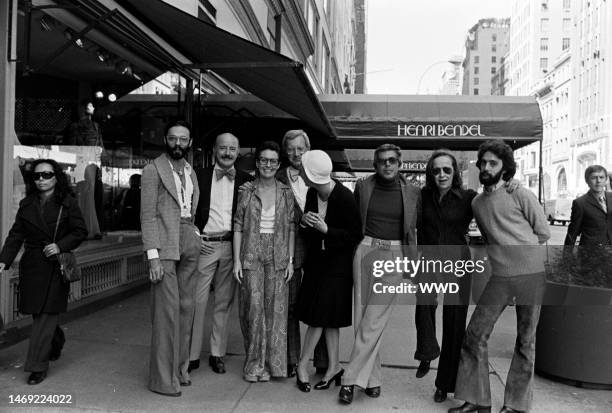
70 42
540 177
242 65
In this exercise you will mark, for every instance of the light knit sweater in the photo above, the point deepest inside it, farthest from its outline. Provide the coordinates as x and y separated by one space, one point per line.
514 226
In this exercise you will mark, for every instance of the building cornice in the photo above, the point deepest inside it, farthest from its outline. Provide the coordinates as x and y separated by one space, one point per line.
248 20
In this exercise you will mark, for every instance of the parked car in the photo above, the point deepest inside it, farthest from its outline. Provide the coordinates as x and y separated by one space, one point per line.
558 210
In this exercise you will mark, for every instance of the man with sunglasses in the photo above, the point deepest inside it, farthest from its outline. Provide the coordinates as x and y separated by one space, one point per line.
169 200
389 208
218 195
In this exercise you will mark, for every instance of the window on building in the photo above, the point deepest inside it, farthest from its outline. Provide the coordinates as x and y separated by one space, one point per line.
476 70
475 91
311 18
476 60
544 64
493 59
271 28
494 37
212 11
544 44
562 180
476 81
567 4
493 70
566 24
544 25
493 48
544 5
565 43
532 159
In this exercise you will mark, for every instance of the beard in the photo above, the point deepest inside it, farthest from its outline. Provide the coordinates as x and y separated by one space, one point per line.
487 179
177 152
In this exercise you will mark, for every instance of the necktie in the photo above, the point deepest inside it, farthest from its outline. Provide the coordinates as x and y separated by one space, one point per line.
602 203
293 174
230 173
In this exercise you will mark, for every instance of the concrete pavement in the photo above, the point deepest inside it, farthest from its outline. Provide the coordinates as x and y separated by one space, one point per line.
104 367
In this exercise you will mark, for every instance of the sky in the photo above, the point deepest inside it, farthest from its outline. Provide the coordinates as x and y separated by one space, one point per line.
406 40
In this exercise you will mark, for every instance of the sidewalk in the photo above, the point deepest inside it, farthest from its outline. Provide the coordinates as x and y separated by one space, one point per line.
104 366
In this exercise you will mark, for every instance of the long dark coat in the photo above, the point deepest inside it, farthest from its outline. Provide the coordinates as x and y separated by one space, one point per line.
41 288
325 298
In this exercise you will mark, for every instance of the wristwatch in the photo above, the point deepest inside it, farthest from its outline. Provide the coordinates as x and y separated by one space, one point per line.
291 260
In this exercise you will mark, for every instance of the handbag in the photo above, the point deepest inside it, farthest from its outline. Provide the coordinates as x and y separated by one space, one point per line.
69 268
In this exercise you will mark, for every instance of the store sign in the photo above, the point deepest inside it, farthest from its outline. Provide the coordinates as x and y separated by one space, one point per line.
414 166
438 130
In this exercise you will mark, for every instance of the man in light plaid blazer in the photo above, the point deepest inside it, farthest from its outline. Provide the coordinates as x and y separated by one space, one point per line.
169 200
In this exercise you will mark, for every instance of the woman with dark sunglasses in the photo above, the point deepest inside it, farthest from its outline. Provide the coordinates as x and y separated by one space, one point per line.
48 222
446 216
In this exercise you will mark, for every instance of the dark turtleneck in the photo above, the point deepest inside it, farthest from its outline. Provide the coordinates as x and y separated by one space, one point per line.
384 219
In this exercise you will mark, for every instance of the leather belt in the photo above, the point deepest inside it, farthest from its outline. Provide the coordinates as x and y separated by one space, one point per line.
218 238
380 243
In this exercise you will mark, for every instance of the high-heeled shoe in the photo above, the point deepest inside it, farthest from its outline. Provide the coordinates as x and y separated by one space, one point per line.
302 385
336 378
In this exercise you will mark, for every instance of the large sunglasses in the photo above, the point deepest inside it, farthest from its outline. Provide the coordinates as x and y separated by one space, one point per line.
392 161
44 175
446 169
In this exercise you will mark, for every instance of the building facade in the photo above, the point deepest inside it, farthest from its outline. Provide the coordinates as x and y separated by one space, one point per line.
451 78
486 44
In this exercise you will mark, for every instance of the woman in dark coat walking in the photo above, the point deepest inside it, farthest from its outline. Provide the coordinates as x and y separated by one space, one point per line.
42 291
332 229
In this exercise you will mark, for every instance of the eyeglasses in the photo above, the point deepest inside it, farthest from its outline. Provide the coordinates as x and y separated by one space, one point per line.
269 162
181 139
446 169
392 161
44 175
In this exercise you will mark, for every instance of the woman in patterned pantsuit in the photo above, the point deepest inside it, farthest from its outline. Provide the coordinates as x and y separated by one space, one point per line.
263 265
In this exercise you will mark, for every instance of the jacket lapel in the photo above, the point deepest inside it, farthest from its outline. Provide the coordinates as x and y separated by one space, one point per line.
165 174
33 214
591 199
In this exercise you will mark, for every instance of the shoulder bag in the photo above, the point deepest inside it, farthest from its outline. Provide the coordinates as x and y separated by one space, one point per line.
67 260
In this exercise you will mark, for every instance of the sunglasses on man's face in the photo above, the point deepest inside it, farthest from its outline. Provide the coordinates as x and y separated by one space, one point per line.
446 169
392 161
44 175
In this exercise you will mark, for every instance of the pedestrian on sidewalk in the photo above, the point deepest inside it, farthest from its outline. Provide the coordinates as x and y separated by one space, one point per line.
172 243
295 144
47 223
264 236
514 227
331 227
389 208
218 199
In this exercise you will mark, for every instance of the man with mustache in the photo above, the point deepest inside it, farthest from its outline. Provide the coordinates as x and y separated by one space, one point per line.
218 195
514 226
169 200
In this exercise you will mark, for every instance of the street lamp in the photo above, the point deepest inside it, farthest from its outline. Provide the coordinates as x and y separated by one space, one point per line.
452 60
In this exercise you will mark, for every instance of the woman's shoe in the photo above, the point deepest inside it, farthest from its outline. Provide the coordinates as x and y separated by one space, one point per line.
302 385
336 378
439 396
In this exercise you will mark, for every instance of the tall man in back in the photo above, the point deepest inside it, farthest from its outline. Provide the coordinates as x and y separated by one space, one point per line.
514 226
218 195
169 199
295 143
592 212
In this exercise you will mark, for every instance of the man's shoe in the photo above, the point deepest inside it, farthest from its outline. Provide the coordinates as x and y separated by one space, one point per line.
372 391
507 409
193 365
470 407
36 377
423 369
217 364
346 394
186 383
291 370
177 394
439 396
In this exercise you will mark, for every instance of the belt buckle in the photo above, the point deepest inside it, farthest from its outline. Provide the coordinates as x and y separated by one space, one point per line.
382 244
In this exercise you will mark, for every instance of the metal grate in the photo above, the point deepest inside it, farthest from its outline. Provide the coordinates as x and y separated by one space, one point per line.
42 116
136 268
100 277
